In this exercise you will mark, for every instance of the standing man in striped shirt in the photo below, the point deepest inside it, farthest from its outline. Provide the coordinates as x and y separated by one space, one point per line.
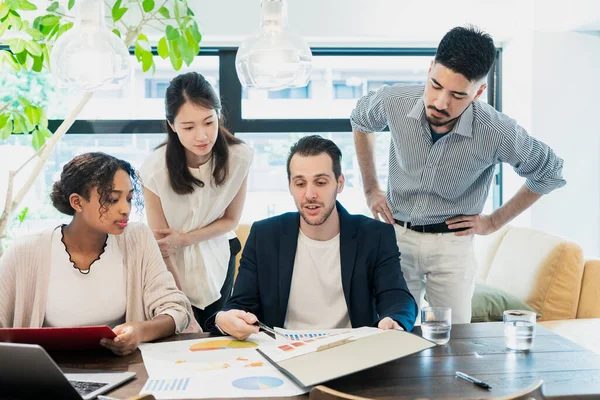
445 144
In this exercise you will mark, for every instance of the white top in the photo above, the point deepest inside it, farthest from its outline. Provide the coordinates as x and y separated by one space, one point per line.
316 295
96 298
202 266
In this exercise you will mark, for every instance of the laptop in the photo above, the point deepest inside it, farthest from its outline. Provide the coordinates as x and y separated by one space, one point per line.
28 372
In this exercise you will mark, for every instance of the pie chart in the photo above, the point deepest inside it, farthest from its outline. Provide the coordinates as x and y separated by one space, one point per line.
257 383
222 344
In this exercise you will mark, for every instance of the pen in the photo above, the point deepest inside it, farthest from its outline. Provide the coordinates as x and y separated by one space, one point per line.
469 378
269 329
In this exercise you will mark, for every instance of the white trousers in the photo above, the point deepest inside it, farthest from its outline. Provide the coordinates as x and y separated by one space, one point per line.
443 266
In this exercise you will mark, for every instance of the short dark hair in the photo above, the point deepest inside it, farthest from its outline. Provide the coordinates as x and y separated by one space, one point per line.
313 146
467 51
193 87
90 170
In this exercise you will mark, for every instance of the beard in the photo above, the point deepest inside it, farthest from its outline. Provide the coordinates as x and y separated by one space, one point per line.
322 220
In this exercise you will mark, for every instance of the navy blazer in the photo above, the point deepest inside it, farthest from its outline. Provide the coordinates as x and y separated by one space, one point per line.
372 281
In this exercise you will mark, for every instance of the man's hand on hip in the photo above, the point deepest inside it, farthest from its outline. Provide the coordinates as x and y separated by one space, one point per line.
377 202
476 224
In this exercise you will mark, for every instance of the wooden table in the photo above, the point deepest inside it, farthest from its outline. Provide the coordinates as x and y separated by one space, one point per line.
568 370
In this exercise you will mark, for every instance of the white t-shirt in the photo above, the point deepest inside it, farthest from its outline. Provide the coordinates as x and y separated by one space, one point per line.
202 266
316 295
98 297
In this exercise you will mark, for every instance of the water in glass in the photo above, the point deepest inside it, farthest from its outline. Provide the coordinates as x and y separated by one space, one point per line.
519 335
436 331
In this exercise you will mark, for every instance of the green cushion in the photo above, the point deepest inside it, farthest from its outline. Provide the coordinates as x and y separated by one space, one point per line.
489 303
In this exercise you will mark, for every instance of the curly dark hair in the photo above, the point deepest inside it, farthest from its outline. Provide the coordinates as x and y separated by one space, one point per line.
467 51
92 170
193 87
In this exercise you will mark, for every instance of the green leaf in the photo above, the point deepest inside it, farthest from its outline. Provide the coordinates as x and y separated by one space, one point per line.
196 32
18 124
34 33
33 48
25 5
3 27
190 12
21 58
9 58
33 115
147 61
53 7
4 10
4 119
24 101
45 132
46 56
163 48
50 20
38 139
172 33
23 214
63 29
38 63
186 51
117 11
143 37
176 10
116 32
16 45
175 55
43 124
6 131
191 43
148 5
71 4
14 20
164 12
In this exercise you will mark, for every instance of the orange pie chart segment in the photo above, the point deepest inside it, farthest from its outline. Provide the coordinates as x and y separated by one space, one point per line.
221 344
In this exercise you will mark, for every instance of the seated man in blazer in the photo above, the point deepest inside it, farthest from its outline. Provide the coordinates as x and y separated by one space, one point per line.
320 267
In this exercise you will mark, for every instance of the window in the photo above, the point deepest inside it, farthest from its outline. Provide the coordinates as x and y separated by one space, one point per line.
347 90
292 93
374 85
128 123
155 88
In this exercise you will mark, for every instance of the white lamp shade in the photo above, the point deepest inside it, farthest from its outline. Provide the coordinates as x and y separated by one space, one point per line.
274 58
89 56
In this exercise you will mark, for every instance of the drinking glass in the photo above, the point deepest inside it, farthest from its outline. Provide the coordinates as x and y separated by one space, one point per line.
519 329
436 323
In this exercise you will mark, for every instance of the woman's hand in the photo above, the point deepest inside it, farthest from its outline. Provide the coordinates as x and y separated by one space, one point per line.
129 336
170 240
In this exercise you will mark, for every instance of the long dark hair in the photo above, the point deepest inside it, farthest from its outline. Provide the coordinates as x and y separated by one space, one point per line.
193 87
90 170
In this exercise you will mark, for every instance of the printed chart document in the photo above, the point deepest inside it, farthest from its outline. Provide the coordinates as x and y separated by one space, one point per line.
213 367
312 361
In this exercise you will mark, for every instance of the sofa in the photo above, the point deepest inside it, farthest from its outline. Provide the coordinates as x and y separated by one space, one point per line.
548 273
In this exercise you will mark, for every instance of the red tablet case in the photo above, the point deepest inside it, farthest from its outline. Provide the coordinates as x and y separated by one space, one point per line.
75 338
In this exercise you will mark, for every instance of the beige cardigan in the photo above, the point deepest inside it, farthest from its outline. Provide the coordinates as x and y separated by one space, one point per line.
151 289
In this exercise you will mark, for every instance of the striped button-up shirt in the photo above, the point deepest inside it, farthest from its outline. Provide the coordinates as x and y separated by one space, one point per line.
429 183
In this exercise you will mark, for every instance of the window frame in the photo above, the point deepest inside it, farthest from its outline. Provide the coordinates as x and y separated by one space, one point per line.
231 95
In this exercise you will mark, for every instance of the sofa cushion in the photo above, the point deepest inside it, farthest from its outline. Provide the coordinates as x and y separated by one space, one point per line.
589 300
489 303
540 269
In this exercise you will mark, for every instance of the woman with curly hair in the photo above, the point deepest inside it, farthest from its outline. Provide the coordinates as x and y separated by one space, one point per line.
97 270
195 188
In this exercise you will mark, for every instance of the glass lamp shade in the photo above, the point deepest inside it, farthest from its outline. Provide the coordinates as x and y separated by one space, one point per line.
89 56
274 58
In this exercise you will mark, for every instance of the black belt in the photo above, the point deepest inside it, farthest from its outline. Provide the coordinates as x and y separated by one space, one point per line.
433 228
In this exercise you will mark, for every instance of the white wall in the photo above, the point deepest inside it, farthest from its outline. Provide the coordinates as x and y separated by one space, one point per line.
550 87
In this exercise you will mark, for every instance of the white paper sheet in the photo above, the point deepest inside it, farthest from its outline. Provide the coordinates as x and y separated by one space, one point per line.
213 367
305 342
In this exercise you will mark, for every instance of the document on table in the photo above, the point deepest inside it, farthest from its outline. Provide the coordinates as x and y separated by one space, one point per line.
213 367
